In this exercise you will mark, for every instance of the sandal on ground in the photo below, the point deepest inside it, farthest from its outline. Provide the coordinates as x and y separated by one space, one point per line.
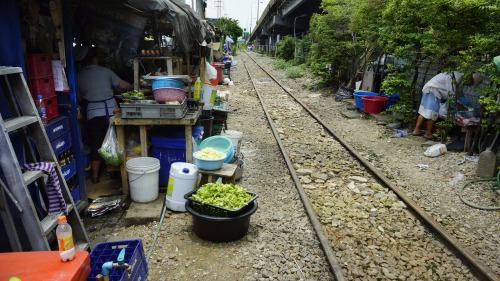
94 180
431 138
417 135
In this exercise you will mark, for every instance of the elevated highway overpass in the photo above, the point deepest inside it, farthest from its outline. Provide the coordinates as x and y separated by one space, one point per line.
280 17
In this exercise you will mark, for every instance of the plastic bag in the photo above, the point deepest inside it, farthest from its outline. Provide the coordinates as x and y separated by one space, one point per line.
443 109
344 93
102 205
457 178
133 147
436 150
210 72
110 150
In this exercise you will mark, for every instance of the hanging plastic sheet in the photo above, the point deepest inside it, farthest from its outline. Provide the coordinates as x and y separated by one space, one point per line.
188 26
109 25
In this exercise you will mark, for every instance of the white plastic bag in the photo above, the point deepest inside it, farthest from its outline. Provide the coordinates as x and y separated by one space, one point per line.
443 109
210 72
436 150
110 150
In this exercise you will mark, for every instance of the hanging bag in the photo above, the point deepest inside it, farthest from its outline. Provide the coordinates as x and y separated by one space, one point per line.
110 150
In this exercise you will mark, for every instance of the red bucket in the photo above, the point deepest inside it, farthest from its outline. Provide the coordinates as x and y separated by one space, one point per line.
374 104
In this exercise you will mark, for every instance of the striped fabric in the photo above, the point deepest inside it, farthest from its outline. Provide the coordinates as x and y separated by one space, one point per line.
56 199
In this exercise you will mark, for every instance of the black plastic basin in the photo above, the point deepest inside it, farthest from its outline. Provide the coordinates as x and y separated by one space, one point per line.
221 229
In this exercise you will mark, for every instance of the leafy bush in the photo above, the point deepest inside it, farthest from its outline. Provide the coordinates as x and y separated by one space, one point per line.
399 83
282 64
303 48
286 48
295 72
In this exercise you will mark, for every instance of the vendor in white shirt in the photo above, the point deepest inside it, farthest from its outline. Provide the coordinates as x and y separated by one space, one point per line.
437 89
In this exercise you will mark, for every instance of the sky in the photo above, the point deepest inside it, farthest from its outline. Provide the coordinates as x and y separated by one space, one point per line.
241 10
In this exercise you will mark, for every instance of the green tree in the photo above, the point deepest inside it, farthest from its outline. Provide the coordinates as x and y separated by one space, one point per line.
334 46
230 27
286 48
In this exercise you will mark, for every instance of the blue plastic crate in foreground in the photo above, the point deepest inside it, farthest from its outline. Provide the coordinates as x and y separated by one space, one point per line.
109 251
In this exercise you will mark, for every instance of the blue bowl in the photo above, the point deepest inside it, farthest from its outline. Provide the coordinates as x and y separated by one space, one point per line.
208 164
359 95
166 83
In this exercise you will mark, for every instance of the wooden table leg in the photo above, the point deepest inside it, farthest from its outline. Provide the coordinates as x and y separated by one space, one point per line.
189 143
169 66
120 135
468 137
144 140
136 74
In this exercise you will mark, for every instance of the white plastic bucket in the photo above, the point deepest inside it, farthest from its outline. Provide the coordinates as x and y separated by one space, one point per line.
209 93
235 138
143 179
183 179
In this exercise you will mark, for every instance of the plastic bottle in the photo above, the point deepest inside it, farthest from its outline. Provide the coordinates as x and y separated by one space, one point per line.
486 164
65 239
197 89
400 133
436 150
40 105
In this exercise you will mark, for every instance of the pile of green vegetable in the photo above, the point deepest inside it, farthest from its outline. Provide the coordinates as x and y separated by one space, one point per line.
133 94
111 155
228 196
210 154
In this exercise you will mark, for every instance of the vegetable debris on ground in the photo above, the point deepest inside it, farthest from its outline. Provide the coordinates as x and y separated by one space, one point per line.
228 196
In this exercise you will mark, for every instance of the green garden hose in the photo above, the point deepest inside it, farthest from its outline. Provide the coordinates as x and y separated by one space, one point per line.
493 188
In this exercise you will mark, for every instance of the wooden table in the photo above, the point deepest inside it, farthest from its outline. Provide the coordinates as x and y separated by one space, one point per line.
188 121
469 133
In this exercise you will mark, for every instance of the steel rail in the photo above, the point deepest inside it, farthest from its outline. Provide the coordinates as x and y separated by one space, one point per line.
482 271
325 244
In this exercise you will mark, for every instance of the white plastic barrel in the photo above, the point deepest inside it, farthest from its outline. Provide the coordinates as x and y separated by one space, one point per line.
235 138
183 179
209 93
143 179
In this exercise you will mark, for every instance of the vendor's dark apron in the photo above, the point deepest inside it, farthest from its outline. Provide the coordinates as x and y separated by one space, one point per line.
84 112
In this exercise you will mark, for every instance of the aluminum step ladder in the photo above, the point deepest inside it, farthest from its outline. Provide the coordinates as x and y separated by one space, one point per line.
26 121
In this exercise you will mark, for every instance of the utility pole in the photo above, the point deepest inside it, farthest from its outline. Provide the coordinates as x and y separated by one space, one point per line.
219 5
294 37
257 21
200 9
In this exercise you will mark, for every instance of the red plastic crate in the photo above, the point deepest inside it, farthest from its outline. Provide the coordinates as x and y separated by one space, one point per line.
38 65
51 107
42 86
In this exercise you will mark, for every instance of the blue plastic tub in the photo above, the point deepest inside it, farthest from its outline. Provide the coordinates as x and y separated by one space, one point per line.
208 164
358 98
171 148
393 99
167 83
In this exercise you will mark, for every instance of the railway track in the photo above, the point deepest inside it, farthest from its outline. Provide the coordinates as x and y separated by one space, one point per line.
368 227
